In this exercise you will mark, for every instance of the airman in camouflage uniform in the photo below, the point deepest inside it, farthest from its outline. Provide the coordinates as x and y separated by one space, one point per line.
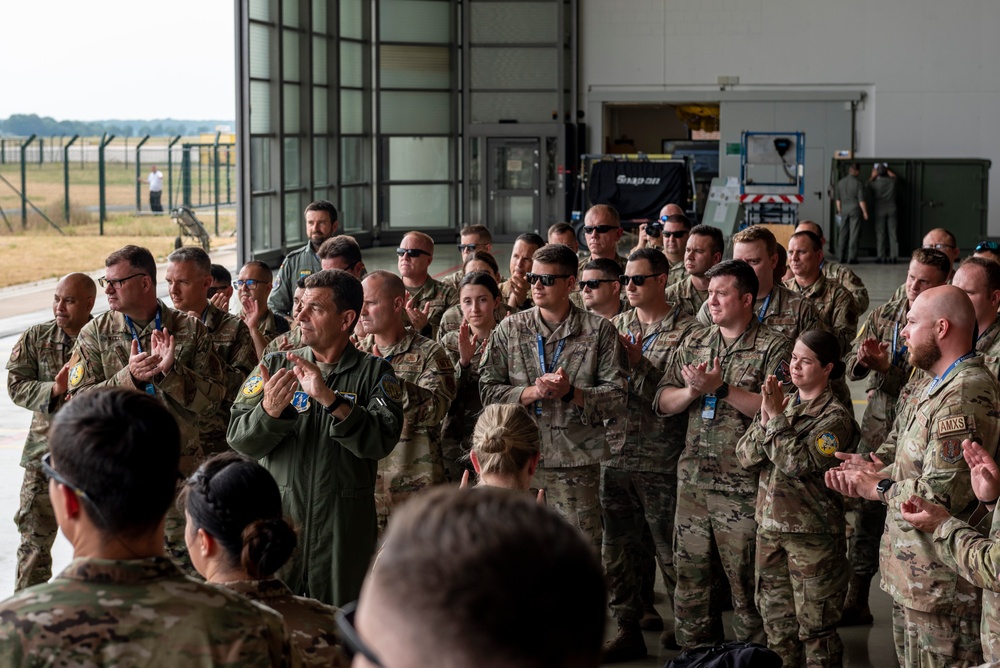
515 291
802 568
471 238
686 296
639 482
427 298
309 624
321 224
836 271
428 381
253 287
452 318
716 496
935 612
160 617
883 327
292 339
574 392
702 252
37 379
436 297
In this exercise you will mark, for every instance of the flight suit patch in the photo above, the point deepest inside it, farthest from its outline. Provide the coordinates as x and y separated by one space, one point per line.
783 373
391 388
827 444
300 401
76 375
253 386
951 451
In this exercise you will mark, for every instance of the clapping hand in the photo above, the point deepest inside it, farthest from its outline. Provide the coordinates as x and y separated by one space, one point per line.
418 316
162 345
278 390
985 474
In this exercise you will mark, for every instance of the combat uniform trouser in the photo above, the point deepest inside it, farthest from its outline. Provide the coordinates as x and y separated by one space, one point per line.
801 584
850 233
885 226
574 492
706 518
929 640
633 501
36 522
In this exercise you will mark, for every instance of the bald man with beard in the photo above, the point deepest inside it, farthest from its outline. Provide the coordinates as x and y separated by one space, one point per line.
936 612
38 377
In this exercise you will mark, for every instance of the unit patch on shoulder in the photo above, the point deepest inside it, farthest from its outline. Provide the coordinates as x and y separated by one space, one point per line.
76 374
783 373
350 396
955 424
253 386
951 451
304 272
827 443
15 354
391 387
300 400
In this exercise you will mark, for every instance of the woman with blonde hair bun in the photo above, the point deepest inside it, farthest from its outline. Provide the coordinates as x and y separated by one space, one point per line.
505 447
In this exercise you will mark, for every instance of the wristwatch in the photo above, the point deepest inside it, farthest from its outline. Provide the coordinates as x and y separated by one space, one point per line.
882 487
723 391
338 399
568 397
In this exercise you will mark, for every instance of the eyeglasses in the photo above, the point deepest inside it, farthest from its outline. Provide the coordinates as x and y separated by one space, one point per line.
411 252
678 234
548 280
355 645
988 246
638 279
939 247
250 283
595 283
467 248
116 283
600 229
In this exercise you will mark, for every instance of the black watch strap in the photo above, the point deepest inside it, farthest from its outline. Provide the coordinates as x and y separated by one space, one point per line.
723 391
338 399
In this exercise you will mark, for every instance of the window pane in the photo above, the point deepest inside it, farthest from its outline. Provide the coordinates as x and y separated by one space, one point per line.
352 66
293 176
419 207
260 163
355 160
419 158
355 208
352 20
290 55
260 223
260 46
415 21
521 107
292 120
319 16
416 113
319 60
352 112
514 22
290 13
515 68
321 162
260 107
260 10
321 111
415 66
294 220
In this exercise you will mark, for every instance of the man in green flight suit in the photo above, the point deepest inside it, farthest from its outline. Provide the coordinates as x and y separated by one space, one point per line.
321 224
319 419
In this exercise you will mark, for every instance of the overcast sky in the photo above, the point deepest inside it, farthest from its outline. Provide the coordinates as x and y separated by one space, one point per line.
114 59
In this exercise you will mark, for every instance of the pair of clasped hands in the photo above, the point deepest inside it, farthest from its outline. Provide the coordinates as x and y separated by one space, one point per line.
281 387
858 477
159 359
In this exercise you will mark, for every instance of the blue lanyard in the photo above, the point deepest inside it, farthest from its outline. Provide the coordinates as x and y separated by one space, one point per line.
649 342
897 354
150 389
541 362
937 379
763 309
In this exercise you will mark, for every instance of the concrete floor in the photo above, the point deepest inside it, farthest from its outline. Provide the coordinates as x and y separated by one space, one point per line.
22 306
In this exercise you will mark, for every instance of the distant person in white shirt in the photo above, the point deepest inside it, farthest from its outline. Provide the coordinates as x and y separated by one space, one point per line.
155 180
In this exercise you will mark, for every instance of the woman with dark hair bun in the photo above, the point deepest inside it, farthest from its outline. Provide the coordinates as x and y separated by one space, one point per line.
238 538
802 567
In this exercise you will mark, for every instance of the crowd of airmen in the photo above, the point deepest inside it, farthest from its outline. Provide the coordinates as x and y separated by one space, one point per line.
693 414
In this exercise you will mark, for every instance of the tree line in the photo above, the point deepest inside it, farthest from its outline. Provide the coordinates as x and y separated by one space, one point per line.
24 125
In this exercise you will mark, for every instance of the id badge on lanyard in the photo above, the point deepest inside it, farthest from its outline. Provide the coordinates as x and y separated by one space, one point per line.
708 407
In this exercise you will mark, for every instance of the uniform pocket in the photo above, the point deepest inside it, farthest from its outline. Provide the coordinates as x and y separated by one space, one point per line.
823 596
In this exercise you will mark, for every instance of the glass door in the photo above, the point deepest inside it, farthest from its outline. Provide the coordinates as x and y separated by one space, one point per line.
514 201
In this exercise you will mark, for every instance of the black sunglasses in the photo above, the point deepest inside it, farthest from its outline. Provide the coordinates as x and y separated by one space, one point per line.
355 645
595 283
462 248
638 279
411 252
987 245
55 475
600 229
677 234
548 280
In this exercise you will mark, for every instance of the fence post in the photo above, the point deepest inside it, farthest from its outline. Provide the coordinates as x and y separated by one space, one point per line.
170 172
138 174
102 181
24 182
186 174
229 170
66 175
215 176
41 149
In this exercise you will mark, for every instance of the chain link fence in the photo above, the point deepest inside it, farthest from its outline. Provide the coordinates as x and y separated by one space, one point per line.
99 185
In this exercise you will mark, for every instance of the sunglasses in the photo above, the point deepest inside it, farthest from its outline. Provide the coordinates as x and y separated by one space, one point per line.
250 283
988 245
411 252
467 248
355 645
638 279
115 282
600 229
548 280
595 283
